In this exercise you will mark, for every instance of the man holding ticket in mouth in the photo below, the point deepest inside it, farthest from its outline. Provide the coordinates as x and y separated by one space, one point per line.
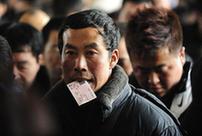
94 98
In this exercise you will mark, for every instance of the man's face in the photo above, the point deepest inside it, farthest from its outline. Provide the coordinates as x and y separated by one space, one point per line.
124 59
85 57
26 67
52 55
161 72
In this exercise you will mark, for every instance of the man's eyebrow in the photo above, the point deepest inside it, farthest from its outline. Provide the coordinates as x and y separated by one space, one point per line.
21 62
69 46
151 68
91 45
88 46
160 66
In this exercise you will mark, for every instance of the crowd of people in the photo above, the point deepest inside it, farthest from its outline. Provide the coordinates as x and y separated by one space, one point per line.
69 69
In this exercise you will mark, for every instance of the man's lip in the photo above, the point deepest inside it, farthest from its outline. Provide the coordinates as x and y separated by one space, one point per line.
155 88
82 79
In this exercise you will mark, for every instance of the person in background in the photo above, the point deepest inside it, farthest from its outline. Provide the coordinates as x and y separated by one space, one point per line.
155 43
26 44
124 59
19 114
35 17
50 50
16 8
94 96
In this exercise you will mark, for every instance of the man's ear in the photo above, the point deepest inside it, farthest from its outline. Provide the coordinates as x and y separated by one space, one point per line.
114 58
182 55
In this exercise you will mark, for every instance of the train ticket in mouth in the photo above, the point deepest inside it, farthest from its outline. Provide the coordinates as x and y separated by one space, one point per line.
81 92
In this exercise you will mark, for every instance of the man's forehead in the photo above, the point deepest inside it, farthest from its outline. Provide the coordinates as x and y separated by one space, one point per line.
90 28
156 59
23 55
84 35
23 48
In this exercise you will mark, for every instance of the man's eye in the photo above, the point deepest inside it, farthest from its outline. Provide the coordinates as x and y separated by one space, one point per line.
21 67
161 69
70 53
90 53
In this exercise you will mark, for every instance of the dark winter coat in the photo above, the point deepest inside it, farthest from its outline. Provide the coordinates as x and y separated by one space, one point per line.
118 110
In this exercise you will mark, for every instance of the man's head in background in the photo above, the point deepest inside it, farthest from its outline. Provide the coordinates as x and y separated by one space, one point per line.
154 38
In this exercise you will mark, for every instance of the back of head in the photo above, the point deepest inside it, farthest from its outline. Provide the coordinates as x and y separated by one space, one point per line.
35 17
23 37
151 29
96 19
6 63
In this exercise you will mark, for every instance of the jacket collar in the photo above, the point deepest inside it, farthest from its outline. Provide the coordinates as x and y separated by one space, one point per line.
185 79
112 90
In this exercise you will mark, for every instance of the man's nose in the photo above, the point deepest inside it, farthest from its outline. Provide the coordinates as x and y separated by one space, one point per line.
153 78
81 64
16 72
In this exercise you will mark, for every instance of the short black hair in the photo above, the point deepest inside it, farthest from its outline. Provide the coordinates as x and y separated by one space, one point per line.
96 19
21 36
